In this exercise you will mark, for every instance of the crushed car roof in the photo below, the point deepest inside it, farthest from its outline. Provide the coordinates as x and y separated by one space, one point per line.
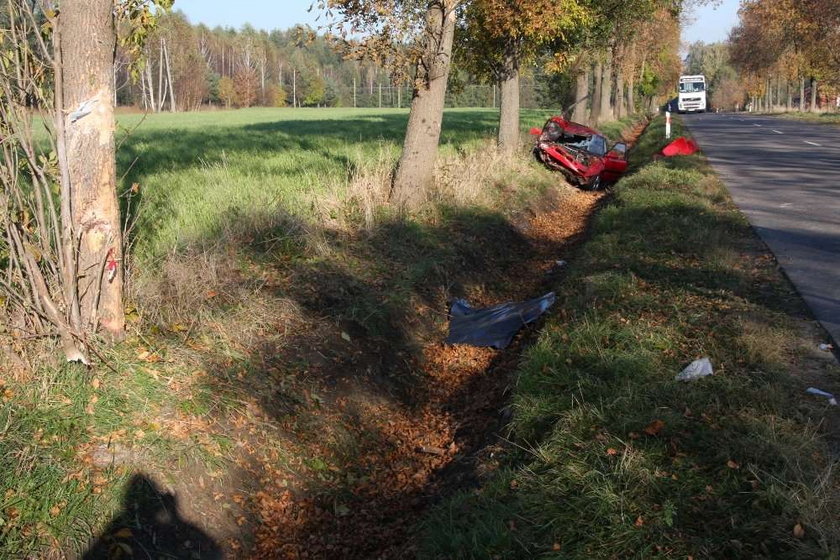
575 128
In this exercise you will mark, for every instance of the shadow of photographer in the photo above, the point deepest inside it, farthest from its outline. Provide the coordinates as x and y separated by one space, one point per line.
149 527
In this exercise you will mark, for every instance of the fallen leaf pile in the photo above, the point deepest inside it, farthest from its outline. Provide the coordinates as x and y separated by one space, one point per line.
414 452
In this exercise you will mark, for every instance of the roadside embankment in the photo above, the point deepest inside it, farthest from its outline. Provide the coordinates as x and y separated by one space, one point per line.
610 456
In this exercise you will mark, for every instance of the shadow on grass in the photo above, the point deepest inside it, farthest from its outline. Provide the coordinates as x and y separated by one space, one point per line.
620 460
370 307
150 527
365 295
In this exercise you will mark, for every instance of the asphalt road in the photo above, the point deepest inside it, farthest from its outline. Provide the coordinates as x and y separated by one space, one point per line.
785 176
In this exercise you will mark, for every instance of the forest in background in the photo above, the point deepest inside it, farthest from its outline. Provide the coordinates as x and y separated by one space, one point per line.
783 55
191 66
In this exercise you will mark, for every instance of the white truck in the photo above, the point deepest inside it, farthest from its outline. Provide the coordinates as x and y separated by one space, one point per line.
692 96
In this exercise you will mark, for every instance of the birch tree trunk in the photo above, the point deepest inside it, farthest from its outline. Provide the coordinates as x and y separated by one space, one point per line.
172 106
151 89
161 94
415 170
509 106
87 46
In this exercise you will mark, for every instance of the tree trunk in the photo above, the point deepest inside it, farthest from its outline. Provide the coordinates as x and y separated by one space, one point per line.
151 89
415 171
161 94
813 107
802 95
605 113
620 109
631 95
88 45
581 95
169 77
769 96
595 105
509 106
789 95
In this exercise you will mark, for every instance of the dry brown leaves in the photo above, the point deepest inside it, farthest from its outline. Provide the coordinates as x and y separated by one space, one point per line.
371 515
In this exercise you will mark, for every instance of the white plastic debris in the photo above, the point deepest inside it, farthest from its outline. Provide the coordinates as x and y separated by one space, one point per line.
814 391
696 370
826 347
85 108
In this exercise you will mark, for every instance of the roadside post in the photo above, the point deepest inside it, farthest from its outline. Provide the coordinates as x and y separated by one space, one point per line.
667 125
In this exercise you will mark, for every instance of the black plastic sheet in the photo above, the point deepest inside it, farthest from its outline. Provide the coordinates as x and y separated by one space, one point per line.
494 326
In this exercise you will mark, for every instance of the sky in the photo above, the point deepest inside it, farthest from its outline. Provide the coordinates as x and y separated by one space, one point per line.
262 14
709 24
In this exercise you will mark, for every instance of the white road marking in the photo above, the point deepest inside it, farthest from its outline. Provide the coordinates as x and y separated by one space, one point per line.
756 124
812 143
786 205
777 131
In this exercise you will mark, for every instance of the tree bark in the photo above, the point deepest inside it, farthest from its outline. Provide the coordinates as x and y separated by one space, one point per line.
509 106
415 170
605 113
620 109
581 95
87 46
161 93
595 105
631 95
802 95
813 107
172 106
789 95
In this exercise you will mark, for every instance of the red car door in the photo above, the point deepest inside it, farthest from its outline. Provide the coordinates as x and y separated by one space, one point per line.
615 164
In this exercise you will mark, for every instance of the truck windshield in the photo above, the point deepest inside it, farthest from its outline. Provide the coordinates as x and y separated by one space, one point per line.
692 87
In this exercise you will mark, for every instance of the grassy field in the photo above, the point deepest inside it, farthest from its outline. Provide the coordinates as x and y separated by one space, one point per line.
203 173
277 313
251 226
610 457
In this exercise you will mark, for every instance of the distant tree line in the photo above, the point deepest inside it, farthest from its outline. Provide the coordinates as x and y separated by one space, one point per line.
788 53
186 67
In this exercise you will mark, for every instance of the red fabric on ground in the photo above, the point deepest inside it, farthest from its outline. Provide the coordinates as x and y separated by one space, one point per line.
682 146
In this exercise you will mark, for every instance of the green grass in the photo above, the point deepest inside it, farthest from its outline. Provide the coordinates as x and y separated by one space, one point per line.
227 201
672 272
824 118
200 174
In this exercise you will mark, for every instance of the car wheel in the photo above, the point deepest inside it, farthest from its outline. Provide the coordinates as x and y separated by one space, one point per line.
595 184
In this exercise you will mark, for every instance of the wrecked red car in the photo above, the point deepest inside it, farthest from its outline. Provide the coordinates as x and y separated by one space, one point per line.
580 153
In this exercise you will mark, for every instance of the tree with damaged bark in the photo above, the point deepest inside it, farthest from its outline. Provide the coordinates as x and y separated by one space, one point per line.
498 37
62 253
